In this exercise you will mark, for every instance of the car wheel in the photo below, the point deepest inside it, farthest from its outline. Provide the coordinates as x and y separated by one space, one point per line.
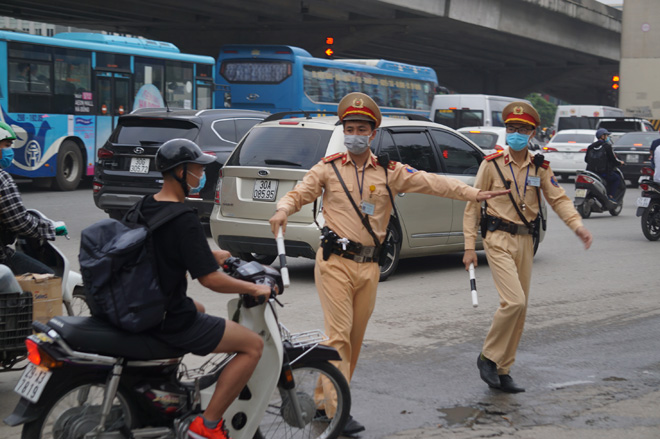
391 258
262 259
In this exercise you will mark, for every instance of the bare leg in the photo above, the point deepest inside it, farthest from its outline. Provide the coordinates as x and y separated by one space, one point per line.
248 347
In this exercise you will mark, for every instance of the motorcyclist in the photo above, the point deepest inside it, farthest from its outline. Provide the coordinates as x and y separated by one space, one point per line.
14 218
602 161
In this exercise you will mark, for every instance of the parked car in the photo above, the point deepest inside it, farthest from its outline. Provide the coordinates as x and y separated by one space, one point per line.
566 151
634 150
125 168
491 139
277 153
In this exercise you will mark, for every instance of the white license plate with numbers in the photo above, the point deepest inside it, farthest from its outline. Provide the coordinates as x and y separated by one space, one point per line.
632 158
139 165
32 382
580 193
643 201
265 190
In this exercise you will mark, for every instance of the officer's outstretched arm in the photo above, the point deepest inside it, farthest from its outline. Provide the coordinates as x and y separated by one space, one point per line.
487 195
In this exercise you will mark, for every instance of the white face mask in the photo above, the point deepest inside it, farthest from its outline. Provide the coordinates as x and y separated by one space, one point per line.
356 144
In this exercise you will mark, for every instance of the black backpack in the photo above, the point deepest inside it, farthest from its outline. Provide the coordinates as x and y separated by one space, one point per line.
119 269
598 159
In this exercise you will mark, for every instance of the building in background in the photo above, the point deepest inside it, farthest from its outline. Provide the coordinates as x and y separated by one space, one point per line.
45 29
639 94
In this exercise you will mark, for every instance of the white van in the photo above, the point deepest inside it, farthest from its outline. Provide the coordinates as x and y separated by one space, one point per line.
458 111
587 111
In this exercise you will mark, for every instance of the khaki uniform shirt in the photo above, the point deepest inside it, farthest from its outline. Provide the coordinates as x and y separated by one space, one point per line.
488 179
339 214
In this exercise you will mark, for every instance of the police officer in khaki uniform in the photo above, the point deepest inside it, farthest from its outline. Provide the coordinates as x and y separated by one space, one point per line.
509 239
346 280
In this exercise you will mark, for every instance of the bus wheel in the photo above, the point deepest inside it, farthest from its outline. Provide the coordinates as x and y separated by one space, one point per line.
69 167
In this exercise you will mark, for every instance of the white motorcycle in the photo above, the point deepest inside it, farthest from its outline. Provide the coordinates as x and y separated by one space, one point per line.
90 380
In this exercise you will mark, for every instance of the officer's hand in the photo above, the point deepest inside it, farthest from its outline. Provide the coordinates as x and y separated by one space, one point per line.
278 220
470 257
487 195
585 236
60 228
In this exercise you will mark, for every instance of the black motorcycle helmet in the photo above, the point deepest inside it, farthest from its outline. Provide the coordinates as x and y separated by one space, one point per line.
177 151
180 151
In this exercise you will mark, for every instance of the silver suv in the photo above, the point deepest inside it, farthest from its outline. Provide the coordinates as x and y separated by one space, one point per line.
276 154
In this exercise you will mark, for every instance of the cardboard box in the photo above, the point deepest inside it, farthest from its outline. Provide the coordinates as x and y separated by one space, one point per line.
46 292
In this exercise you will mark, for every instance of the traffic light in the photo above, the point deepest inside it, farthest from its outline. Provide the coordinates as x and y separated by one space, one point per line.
329 51
615 82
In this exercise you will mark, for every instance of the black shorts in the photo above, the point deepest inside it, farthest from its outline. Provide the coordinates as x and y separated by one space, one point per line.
201 337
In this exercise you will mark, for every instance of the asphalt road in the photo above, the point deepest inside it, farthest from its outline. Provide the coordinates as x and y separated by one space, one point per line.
589 357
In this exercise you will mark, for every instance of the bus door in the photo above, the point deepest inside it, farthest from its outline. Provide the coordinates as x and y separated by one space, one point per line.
113 100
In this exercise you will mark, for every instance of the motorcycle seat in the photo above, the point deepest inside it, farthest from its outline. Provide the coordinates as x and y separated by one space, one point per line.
93 335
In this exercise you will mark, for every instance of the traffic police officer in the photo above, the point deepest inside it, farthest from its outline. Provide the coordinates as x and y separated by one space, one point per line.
509 238
346 278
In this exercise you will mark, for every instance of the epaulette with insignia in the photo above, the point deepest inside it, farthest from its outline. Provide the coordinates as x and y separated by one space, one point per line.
333 157
391 165
494 155
546 164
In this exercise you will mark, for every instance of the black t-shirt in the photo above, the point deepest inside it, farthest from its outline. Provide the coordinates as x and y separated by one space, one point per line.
180 246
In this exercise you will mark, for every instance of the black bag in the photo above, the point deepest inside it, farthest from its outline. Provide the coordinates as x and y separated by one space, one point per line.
119 270
598 159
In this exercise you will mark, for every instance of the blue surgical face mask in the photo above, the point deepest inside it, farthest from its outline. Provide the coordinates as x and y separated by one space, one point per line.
198 188
356 144
517 141
7 157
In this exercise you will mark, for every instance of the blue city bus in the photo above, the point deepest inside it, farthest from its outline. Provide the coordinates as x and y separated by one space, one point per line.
283 78
63 94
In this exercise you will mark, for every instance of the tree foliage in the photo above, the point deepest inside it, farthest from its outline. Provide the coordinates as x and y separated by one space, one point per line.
547 110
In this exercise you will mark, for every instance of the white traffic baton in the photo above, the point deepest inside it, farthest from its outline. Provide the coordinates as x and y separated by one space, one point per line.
473 287
282 255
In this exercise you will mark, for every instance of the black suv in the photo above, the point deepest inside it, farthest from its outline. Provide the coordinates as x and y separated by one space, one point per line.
125 168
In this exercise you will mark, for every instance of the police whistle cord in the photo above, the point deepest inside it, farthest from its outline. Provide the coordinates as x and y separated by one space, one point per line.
473 287
282 254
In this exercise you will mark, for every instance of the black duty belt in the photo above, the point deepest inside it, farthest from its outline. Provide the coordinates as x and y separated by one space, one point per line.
364 254
495 223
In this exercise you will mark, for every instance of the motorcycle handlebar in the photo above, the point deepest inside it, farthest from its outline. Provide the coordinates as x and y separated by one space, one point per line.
256 273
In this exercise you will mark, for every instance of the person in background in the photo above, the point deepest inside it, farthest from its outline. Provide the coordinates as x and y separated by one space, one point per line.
601 160
15 219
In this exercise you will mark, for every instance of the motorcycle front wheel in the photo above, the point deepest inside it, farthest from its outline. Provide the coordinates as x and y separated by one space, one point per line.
651 221
280 419
73 410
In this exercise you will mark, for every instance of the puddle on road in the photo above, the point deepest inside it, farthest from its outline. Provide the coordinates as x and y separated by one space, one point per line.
461 415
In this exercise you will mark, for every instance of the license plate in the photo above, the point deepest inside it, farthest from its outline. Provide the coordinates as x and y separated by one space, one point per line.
580 193
139 165
32 382
643 201
265 190
632 158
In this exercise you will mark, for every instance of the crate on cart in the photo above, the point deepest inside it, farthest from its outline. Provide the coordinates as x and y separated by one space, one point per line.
15 325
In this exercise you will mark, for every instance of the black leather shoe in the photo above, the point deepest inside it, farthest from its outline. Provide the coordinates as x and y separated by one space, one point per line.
508 385
352 427
488 372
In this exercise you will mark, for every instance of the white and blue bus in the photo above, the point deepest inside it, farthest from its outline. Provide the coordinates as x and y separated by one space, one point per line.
276 78
63 94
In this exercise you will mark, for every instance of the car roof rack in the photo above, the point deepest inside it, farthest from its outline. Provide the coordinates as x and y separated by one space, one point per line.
306 114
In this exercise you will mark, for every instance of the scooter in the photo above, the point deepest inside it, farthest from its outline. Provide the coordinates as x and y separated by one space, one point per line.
90 380
16 308
591 194
648 206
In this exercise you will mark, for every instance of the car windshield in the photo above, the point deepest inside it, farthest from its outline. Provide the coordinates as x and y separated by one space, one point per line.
281 147
637 139
573 138
483 139
153 131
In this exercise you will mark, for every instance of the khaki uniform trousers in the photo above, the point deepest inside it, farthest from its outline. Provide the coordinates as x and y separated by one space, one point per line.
347 291
510 260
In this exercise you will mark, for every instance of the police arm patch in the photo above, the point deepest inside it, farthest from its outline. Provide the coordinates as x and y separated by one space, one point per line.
553 181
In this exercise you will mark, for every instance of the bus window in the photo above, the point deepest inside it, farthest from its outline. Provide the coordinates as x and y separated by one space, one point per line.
179 77
148 71
204 95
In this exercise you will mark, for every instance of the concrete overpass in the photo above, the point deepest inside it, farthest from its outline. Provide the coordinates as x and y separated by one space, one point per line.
567 48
